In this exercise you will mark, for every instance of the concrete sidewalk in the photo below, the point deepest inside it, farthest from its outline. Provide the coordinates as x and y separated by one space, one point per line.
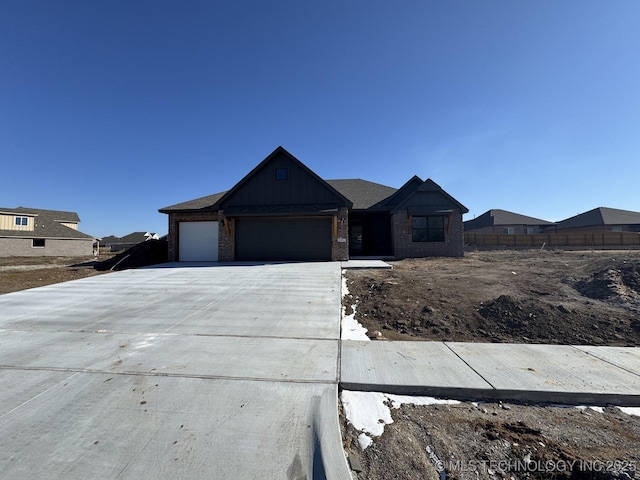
480 371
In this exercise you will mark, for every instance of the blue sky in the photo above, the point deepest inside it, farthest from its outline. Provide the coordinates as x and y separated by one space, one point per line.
117 108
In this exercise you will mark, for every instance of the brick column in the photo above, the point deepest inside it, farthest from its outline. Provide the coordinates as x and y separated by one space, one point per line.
226 236
340 244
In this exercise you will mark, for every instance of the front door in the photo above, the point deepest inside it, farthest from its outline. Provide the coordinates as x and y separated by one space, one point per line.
355 239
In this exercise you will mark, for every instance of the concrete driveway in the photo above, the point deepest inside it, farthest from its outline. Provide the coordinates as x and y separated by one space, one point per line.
173 372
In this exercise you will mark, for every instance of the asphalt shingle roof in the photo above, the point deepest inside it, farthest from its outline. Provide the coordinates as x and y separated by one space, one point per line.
201 203
362 193
601 216
502 217
47 224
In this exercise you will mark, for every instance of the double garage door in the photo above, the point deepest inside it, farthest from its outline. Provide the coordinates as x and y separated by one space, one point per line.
283 238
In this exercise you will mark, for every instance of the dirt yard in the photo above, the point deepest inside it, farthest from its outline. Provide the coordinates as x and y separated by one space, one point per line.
20 273
589 298
549 297
501 441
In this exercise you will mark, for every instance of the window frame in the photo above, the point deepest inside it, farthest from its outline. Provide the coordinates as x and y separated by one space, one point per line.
279 171
38 240
429 233
21 221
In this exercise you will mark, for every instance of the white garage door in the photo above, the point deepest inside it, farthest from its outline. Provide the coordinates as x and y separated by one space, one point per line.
198 242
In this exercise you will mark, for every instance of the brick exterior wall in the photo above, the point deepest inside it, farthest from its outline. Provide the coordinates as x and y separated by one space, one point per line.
175 219
54 247
226 238
339 248
404 247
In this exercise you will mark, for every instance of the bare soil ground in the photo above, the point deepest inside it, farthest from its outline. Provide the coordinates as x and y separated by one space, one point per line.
552 297
501 441
555 297
20 273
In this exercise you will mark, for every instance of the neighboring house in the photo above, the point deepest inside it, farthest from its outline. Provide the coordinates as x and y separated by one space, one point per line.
116 244
282 210
502 222
601 219
30 232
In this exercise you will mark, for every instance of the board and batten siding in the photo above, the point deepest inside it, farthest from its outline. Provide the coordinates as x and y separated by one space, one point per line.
8 222
299 189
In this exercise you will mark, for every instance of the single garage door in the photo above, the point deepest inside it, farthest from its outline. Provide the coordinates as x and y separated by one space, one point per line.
283 238
198 242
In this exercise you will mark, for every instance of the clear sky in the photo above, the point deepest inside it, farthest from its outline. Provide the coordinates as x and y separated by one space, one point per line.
116 108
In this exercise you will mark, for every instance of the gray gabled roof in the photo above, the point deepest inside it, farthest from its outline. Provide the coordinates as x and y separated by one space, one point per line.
355 193
362 193
496 217
48 224
203 203
54 215
270 158
601 216
134 237
413 186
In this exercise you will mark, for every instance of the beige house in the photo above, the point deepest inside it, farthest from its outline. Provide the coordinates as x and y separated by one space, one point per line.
32 232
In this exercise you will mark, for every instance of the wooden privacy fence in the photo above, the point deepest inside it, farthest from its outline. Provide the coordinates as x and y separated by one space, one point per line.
551 240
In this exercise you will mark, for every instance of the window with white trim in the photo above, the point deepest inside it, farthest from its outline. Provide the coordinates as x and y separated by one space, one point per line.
21 221
37 242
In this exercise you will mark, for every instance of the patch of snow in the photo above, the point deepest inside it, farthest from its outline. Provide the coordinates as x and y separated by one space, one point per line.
369 412
591 407
398 400
345 287
630 410
366 411
351 329
364 441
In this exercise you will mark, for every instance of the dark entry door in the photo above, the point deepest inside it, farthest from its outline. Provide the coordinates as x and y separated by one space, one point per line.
355 238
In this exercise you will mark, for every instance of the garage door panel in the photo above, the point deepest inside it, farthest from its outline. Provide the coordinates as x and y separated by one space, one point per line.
198 242
283 239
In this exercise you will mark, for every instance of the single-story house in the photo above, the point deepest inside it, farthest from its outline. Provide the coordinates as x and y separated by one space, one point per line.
117 244
31 232
502 222
282 210
601 219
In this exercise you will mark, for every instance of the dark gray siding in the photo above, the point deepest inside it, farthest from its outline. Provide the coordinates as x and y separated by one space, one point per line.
429 201
283 239
300 188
